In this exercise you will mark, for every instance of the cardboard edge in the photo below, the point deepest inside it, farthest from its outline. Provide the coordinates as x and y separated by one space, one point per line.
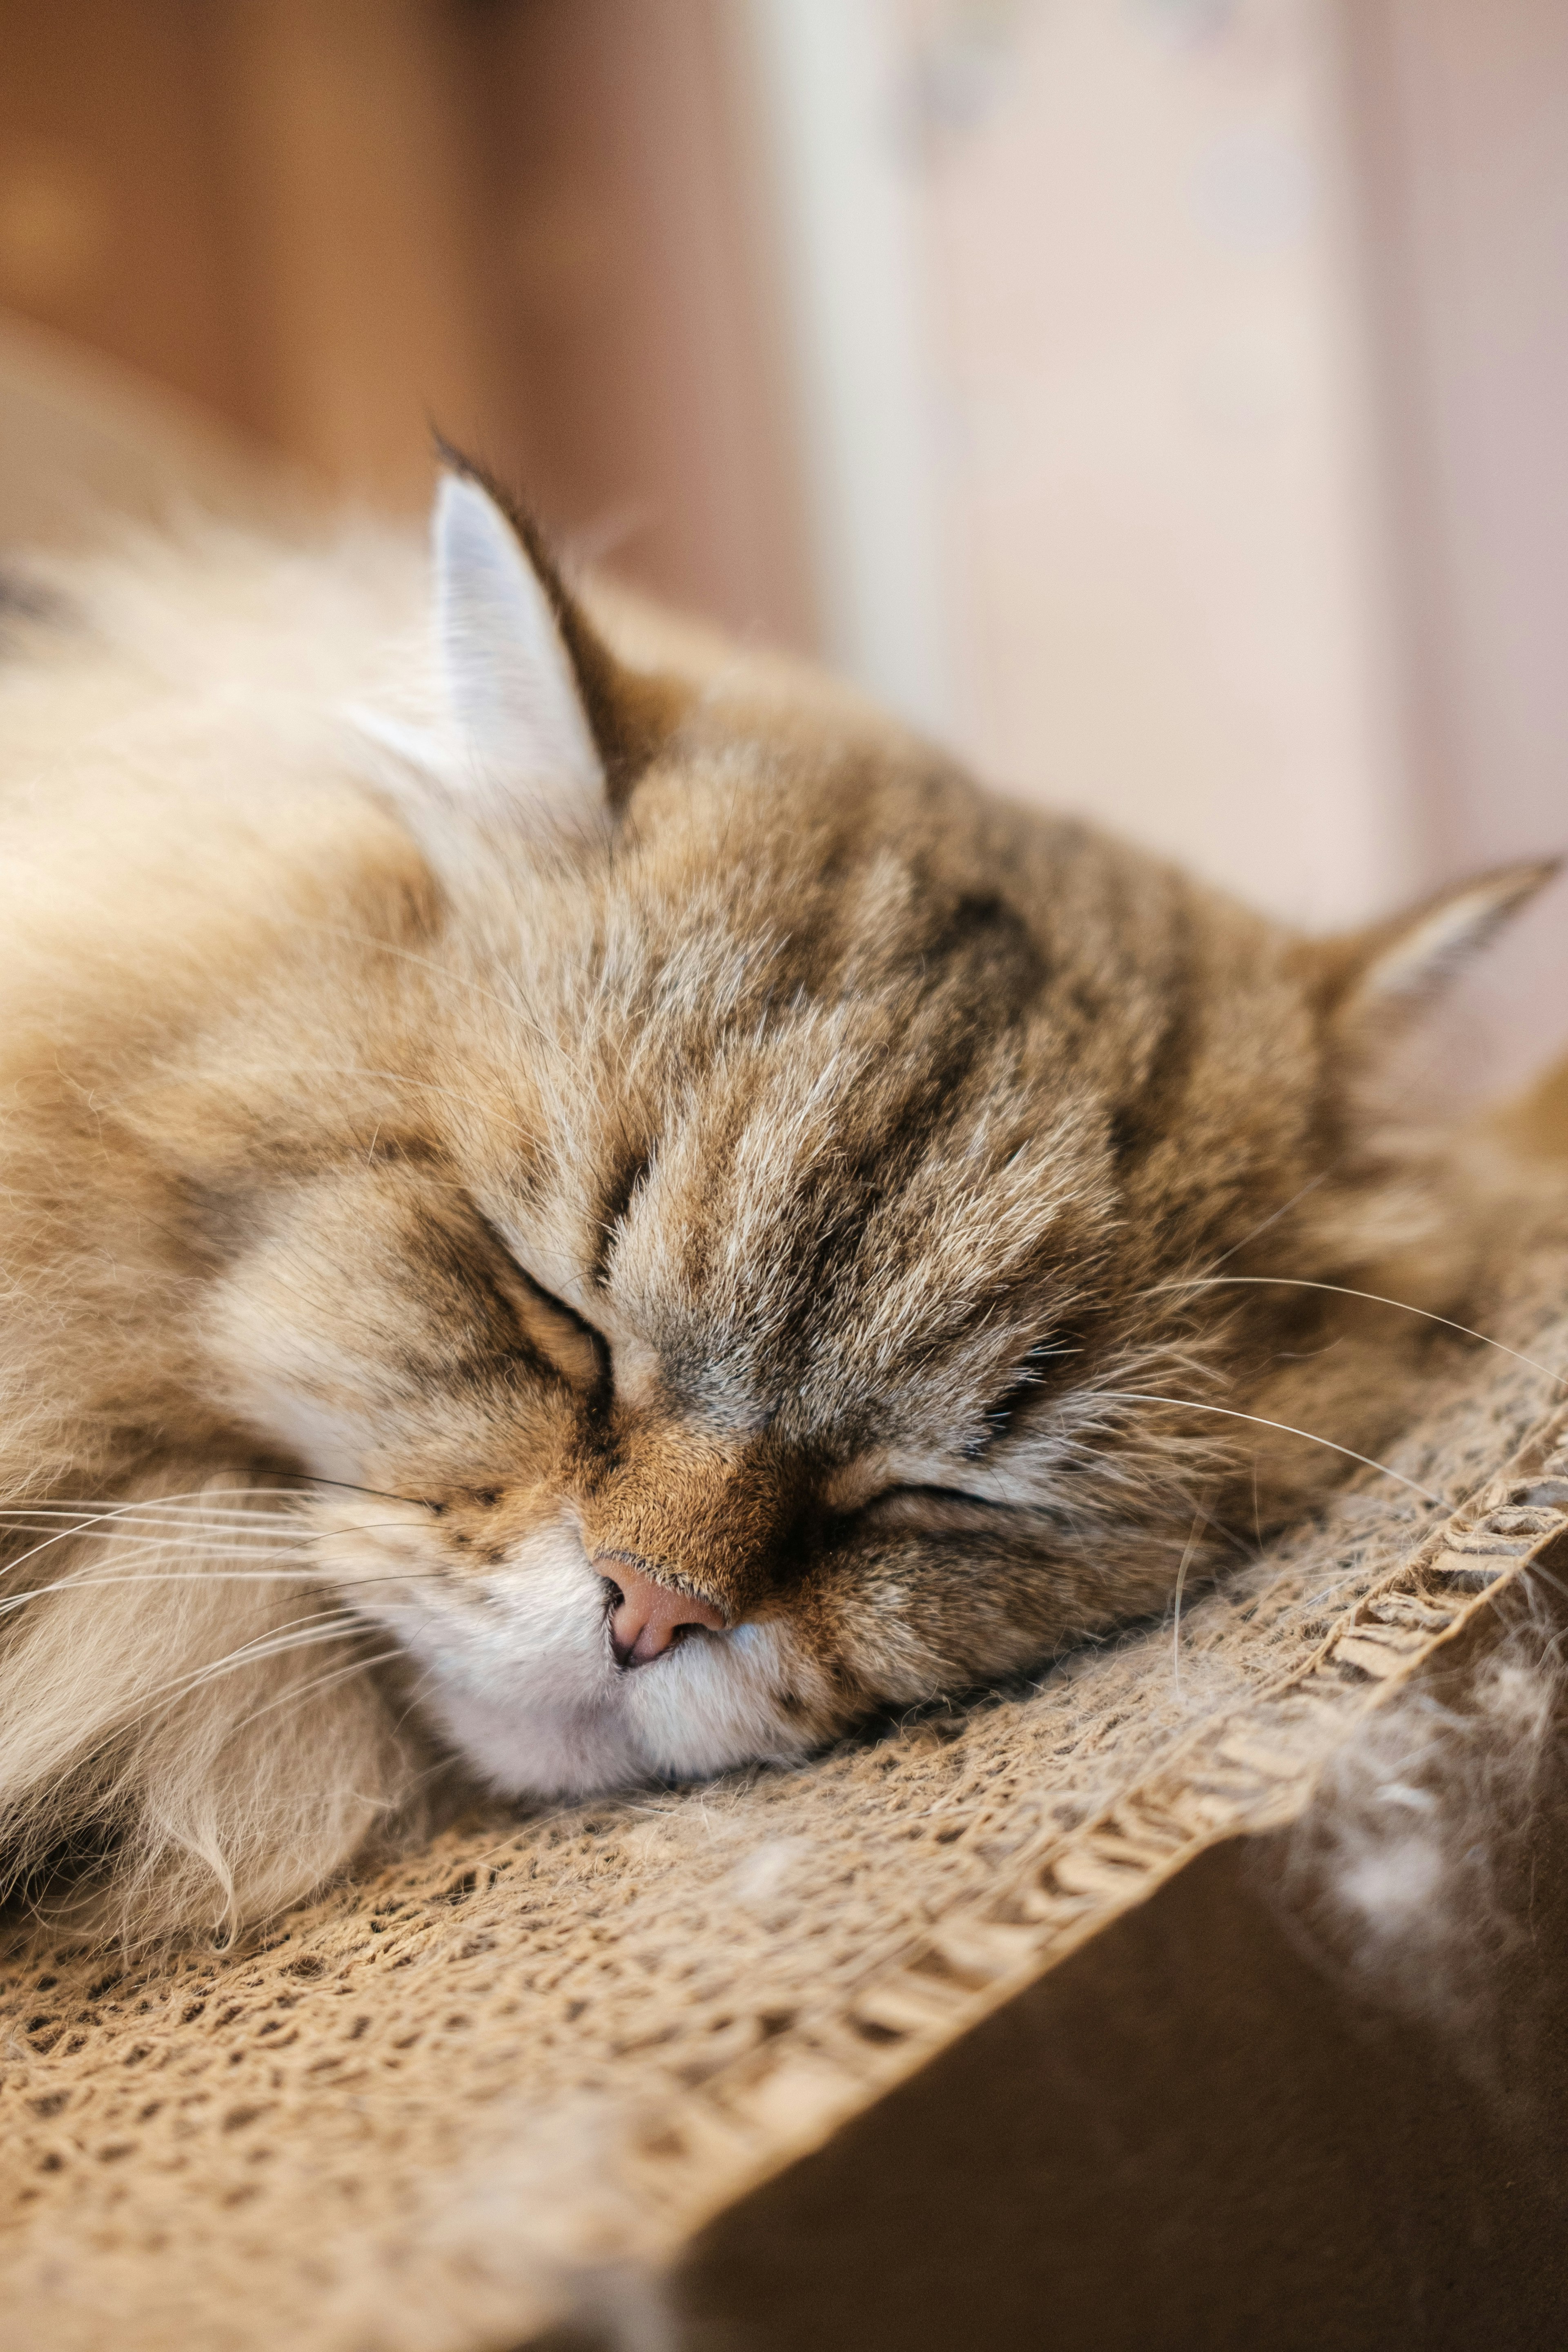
1249 1772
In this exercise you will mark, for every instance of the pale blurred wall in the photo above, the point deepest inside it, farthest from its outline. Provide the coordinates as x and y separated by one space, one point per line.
1460 114
1160 522
1461 111
1184 384
629 296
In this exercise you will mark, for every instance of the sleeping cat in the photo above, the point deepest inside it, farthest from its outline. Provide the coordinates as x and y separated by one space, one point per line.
584 1208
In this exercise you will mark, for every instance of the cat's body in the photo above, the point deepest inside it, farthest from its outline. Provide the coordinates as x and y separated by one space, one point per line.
707 1245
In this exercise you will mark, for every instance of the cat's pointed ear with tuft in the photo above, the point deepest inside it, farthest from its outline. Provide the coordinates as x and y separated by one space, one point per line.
538 732
512 694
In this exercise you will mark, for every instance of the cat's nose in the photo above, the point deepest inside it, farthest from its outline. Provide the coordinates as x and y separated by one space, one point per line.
645 1617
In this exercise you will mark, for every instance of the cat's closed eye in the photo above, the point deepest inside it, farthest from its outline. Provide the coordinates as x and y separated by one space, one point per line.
556 1331
914 1510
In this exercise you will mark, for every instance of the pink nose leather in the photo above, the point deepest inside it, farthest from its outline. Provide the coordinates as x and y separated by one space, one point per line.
647 1617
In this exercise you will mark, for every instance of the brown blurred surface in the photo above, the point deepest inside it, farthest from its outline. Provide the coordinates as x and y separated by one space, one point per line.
337 222
113 219
630 297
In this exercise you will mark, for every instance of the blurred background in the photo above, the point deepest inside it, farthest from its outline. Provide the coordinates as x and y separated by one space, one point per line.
1162 401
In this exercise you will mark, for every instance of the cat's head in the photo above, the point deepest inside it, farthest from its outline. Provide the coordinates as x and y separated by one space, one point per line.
736 1249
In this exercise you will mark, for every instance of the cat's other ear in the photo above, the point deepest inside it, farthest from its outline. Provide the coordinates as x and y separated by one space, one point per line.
1375 984
1397 966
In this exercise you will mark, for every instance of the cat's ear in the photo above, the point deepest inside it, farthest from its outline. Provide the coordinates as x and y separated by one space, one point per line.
514 698
537 732
1383 978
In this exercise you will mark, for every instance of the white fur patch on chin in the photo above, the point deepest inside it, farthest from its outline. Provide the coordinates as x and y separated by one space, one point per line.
526 1688
715 1700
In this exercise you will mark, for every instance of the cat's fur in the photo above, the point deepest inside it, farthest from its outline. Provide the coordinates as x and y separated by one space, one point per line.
472 1117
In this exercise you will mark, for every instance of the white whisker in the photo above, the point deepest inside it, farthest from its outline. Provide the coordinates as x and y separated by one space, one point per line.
1283 1211
140 1514
1181 1580
66 1535
320 1683
239 1541
1229 1412
1374 1298
298 1634
210 1576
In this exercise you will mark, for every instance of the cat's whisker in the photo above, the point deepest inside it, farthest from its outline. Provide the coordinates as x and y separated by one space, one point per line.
231 1543
82 1582
98 1508
15 1601
164 1697
301 1634
198 1510
1230 1412
220 1543
65 1535
227 1541
1372 1297
139 1509
262 1650
313 1478
151 1529
1284 1210
320 1683
1199 1517
1214 1530
360 1527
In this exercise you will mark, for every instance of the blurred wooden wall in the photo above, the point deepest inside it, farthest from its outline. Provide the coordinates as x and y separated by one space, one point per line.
531 223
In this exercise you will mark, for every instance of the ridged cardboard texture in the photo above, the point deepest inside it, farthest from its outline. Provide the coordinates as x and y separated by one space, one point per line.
514 2076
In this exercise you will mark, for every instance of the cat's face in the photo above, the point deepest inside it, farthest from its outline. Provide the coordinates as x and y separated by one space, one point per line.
734 1274
777 1253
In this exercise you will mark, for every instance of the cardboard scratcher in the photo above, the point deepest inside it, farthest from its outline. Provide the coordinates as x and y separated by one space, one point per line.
1006 2026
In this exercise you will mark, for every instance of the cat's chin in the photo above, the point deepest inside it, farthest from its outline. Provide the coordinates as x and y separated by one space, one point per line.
713 1703
528 1692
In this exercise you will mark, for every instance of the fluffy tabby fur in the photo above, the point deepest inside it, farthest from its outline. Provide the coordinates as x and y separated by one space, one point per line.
479 1108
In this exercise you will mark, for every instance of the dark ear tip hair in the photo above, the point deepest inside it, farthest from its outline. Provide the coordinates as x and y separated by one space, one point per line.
453 461
517 511
1530 873
1537 872
447 453
1519 882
